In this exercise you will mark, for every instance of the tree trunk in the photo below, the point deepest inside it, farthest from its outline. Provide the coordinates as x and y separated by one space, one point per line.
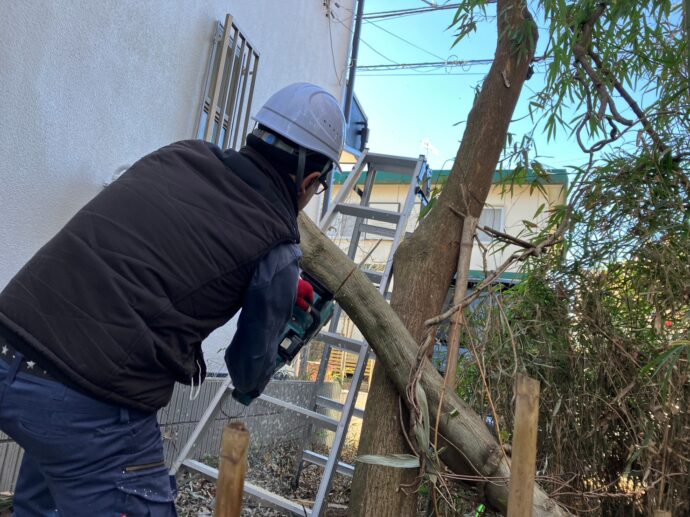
425 263
366 491
464 433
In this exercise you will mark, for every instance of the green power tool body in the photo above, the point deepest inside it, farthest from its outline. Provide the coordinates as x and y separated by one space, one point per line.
301 328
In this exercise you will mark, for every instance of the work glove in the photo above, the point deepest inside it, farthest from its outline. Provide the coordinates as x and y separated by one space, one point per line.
305 295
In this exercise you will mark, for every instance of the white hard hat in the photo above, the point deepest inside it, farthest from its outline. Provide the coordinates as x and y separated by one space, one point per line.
307 115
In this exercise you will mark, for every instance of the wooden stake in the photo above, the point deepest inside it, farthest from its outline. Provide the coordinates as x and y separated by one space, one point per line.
232 469
469 226
523 465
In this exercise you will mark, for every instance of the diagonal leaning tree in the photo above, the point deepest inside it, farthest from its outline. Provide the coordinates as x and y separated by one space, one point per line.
424 266
471 447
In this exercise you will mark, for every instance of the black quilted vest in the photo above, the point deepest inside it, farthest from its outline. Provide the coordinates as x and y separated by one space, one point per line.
118 302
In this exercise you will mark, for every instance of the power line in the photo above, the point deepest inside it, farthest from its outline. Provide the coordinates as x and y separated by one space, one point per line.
407 12
422 74
334 17
438 64
394 63
427 64
330 38
403 39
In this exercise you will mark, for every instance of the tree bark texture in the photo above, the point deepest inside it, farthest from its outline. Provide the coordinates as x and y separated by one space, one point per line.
464 433
367 490
425 263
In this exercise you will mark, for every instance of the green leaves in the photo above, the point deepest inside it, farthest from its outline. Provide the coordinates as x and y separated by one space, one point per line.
668 359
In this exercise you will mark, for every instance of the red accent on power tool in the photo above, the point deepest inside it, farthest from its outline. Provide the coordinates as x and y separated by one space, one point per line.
305 295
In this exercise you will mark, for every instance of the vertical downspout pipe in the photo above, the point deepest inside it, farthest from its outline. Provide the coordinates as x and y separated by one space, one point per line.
353 60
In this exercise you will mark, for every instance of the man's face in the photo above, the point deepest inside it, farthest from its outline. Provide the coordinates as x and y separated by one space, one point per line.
310 185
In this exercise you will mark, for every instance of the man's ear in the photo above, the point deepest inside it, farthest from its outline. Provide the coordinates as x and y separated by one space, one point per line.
308 180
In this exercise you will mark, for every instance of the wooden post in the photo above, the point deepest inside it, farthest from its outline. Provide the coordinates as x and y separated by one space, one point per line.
523 464
232 469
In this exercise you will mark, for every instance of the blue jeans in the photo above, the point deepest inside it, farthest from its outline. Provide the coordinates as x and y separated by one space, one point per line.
82 457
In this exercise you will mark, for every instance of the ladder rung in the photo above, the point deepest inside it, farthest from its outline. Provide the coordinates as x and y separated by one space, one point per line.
317 418
386 216
378 230
325 402
266 497
319 459
394 164
341 342
374 276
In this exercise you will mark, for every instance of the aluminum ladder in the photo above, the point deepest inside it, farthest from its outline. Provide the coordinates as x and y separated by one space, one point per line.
368 164
366 217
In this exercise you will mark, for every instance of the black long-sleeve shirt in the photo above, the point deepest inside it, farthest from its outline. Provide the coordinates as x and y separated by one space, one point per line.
267 308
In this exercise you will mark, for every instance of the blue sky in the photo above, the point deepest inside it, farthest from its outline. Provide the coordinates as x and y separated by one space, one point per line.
423 111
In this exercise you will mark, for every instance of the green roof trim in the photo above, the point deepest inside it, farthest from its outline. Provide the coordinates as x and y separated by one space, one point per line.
507 277
555 177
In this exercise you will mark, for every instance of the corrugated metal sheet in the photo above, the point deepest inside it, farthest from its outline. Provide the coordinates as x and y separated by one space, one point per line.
10 459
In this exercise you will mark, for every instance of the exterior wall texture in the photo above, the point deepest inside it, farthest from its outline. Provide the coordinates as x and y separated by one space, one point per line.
87 87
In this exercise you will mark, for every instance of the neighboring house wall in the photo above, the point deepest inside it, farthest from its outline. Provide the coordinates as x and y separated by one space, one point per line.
89 86
516 207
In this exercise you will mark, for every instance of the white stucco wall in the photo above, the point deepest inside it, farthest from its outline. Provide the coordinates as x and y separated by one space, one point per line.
87 86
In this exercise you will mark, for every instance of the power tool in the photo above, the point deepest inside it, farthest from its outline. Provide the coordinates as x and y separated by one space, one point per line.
303 326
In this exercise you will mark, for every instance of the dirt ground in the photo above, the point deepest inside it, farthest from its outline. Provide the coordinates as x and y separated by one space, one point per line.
271 469
274 469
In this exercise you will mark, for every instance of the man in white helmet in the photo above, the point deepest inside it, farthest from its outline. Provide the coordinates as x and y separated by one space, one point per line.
99 325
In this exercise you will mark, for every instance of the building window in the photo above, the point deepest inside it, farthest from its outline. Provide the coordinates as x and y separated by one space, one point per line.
229 88
491 217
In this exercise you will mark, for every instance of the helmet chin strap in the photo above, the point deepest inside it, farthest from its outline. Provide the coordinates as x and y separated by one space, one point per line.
301 164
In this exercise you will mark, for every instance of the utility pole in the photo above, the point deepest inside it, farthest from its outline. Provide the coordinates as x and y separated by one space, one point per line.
353 59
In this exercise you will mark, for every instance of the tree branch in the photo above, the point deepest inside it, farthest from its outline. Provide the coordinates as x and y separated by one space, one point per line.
396 351
518 256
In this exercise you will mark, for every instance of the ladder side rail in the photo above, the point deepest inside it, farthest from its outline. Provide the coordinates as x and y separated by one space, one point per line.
348 185
325 221
320 502
401 229
337 313
311 403
203 425
366 196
